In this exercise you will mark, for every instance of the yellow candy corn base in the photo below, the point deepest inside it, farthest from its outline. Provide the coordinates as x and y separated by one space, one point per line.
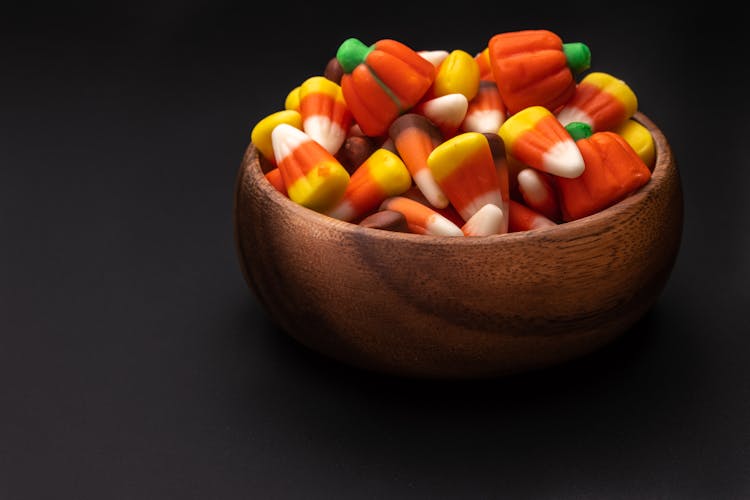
323 186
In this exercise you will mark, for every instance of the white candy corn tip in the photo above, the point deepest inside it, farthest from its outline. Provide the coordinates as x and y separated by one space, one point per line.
484 121
488 220
343 211
434 56
285 139
564 159
572 114
440 226
325 132
449 109
494 197
430 188
532 186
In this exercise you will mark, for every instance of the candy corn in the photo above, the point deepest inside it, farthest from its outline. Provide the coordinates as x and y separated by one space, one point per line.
502 166
522 218
414 137
382 175
465 170
447 112
276 180
388 220
538 192
420 218
535 68
449 212
261 133
292 99
434 56
536 138
489 219
457 74
483 62
613 171
382 81
600 100
312 176
640 139
325 116
486 111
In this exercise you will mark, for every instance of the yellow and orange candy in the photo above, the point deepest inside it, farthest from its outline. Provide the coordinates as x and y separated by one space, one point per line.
638 136
535 68
536 138
261 133
601 101
458 73
312 176
382 81
325 115
465 170
381 176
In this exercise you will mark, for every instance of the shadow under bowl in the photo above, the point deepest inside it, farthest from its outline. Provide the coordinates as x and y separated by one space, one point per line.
439 307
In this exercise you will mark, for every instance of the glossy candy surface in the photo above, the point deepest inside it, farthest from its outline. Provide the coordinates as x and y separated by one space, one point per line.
312 176
382 81
536 138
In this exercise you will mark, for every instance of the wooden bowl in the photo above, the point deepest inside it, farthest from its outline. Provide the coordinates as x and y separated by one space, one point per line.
438 307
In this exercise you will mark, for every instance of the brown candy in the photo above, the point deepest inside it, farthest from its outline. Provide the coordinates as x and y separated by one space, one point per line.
334 71
355 150
388 220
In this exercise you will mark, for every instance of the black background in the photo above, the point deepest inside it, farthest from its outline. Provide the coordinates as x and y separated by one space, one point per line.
136 363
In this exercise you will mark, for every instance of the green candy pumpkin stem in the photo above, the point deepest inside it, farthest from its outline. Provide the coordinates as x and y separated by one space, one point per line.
352 53
578 56
579 130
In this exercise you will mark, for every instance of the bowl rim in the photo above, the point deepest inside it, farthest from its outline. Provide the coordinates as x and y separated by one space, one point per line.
664 161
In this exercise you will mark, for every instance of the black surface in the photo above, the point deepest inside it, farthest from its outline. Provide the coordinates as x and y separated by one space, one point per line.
135 362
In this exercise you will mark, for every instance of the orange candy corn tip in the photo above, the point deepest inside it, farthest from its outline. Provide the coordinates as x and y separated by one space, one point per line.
325 116
488 220
535 137
420 218
380 176
312 176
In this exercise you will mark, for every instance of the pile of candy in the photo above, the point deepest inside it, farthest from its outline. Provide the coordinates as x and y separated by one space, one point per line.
513 138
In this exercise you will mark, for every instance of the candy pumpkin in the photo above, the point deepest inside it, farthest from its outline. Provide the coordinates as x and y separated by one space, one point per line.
613 171
382 81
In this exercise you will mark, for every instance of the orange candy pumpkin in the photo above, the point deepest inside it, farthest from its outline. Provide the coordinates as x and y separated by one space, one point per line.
382 81
613 171
535 68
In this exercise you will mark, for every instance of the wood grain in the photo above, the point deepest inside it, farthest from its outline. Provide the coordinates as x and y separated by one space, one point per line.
435 307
